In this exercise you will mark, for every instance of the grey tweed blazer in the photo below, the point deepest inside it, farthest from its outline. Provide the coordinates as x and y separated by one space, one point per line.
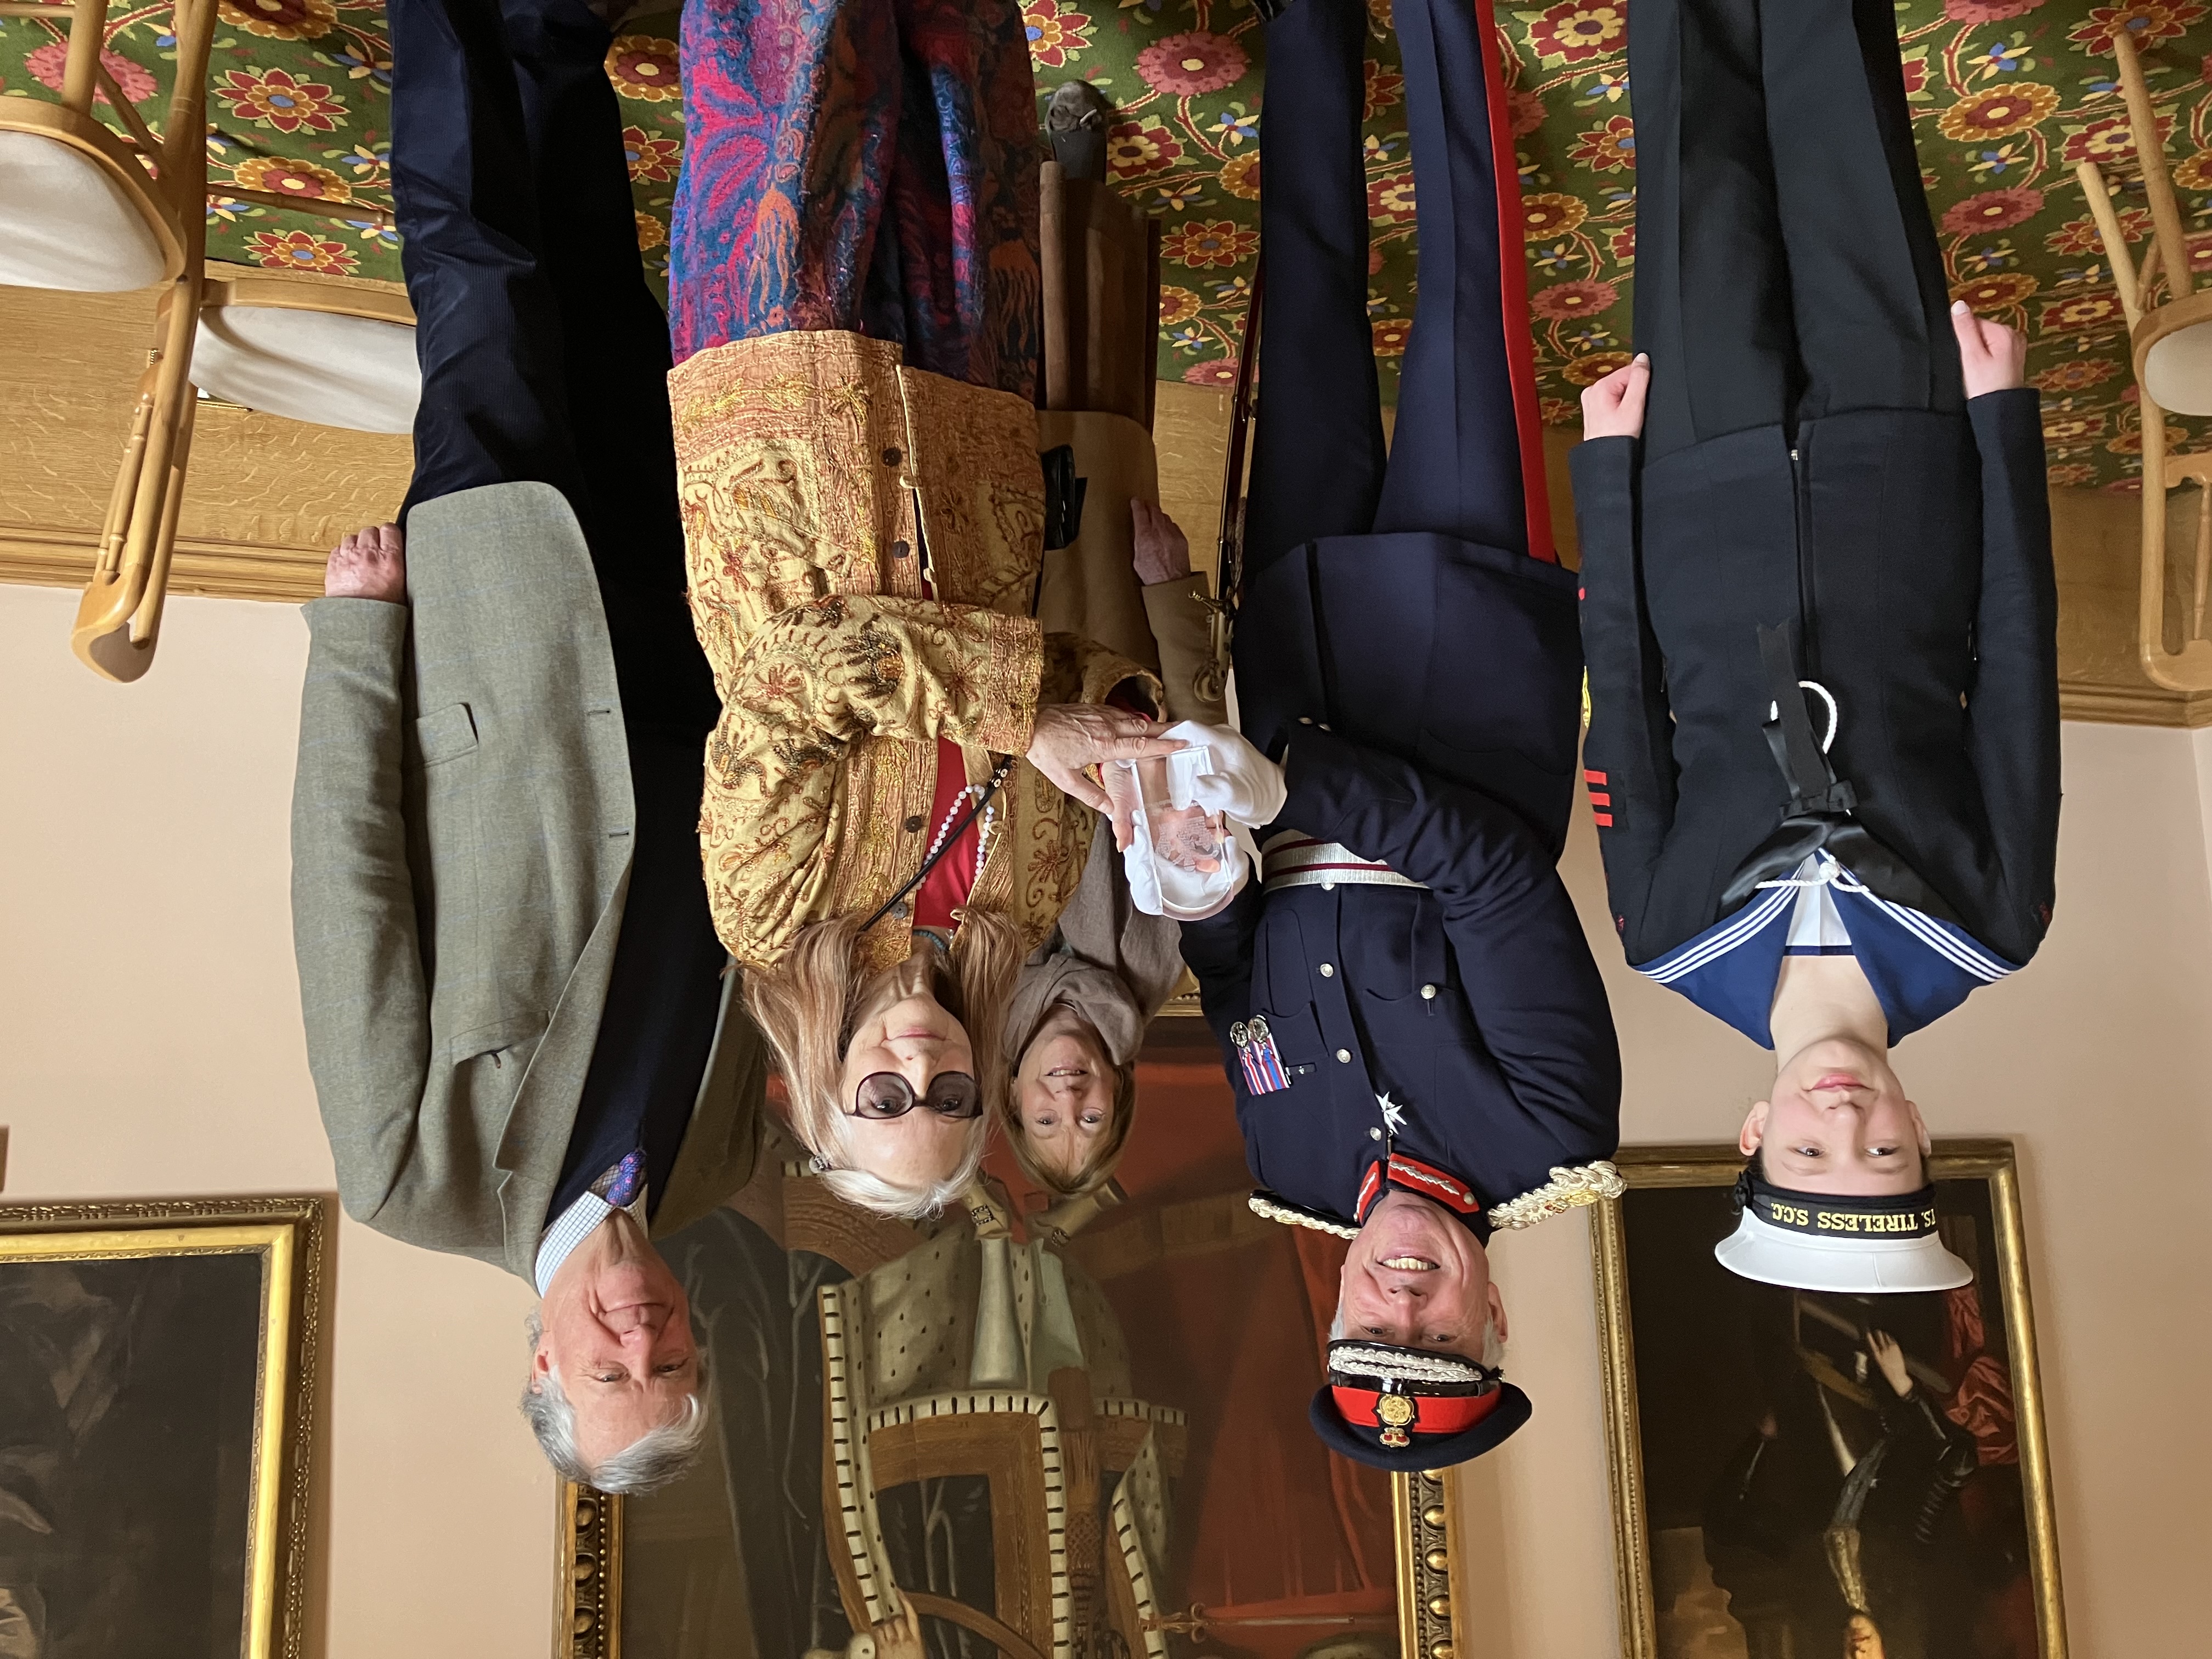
460 852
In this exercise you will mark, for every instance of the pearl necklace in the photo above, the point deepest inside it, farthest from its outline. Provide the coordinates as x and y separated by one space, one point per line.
982 828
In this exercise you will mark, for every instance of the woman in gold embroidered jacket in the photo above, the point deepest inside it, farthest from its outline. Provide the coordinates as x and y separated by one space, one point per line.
854 296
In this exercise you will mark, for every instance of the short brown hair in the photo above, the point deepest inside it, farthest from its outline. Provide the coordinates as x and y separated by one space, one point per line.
1095 1171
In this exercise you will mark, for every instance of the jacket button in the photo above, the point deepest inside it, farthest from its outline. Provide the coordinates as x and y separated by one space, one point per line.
1329 887
914 825
892 457
1326 971
1428 993
1343 1056
1375 1134
1306 719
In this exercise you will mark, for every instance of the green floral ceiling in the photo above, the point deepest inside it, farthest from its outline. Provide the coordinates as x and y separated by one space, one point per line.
2007 95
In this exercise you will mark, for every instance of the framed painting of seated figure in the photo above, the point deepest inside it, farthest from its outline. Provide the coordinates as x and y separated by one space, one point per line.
1042 1432
1813 1471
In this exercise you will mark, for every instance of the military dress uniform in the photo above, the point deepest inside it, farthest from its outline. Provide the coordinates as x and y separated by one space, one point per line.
1406 999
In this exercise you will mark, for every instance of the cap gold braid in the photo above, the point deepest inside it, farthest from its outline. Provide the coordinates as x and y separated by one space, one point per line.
1567 1190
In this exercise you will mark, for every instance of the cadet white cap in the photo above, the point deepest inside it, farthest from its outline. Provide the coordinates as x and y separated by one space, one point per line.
1858 1243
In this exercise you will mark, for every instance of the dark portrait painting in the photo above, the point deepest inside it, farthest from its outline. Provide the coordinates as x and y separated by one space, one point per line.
135 1373
1087 1438
1830 1475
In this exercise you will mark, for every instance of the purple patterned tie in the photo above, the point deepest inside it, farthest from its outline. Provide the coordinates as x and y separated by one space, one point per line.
621 1185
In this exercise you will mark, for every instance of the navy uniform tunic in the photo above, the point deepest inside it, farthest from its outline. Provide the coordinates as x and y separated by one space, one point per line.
1418 671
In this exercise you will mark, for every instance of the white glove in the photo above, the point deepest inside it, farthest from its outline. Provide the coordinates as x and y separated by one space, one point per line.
1240 783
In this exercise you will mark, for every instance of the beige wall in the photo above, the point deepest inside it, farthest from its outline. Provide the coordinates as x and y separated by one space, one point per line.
150 1044
2098 1061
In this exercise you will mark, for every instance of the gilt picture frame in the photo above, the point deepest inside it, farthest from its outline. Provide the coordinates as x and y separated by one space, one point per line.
1734 1413
1075 1475
587 1622
159 1361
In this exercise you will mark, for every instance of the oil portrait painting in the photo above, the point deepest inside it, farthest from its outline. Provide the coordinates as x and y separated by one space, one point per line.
1804 1474
154 1370
1052 1431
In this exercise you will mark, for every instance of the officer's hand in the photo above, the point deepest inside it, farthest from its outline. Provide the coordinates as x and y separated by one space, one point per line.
1614 407
1069 736
369 564
1993 357
1163 551
1891 1357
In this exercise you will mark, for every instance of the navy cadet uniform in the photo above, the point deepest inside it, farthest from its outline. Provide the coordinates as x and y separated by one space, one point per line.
1408 999
1820 613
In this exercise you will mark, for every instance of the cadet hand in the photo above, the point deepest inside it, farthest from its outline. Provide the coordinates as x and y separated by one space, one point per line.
1069 736
369 564
1163 551
1993 357
1891 1357
1614 407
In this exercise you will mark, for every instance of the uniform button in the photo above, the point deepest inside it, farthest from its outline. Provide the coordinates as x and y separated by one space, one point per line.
1343 1056
1324 725
1329 887
1429 993
1326 971
892 457
1375 1134
914 825
1306 719
899 549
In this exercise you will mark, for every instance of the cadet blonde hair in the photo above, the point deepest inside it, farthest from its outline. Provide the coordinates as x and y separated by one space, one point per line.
804 1006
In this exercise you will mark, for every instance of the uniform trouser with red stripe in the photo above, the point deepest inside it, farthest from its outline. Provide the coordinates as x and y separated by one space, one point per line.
1455 464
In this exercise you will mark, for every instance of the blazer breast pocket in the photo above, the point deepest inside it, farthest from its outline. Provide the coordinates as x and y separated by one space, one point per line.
445 734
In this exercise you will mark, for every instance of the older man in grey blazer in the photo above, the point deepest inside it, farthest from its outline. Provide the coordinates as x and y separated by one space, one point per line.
524 1034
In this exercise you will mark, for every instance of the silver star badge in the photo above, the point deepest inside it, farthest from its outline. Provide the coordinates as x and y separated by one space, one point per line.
1394 1114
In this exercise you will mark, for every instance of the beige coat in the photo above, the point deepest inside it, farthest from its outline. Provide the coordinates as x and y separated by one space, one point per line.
460 853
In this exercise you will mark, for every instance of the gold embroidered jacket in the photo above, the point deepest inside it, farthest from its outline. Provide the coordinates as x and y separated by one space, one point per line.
864 540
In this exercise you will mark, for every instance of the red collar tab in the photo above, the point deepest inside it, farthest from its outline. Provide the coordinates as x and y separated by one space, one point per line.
1414 1177
1401 1416
1430 1182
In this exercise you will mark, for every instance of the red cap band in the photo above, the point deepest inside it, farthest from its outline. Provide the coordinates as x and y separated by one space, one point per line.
1433 1413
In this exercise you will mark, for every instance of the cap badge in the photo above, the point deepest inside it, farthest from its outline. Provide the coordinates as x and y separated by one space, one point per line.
1395 1410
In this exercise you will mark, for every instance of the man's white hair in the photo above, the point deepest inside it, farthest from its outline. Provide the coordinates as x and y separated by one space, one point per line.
1493 1345
653 1460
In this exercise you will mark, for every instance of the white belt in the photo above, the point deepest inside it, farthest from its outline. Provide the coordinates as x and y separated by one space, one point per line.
1292 859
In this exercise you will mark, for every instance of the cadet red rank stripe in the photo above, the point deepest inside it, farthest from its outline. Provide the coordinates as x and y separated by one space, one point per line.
1601 800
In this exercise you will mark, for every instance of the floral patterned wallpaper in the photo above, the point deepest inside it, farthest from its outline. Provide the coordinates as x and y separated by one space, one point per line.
2006 95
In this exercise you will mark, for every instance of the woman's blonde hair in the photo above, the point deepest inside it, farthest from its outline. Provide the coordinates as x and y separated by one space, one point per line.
1093 1172
804 1006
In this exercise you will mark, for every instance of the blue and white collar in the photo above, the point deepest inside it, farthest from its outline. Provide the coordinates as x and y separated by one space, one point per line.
1920 967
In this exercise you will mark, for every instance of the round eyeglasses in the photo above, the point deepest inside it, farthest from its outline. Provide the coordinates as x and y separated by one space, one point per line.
884 1095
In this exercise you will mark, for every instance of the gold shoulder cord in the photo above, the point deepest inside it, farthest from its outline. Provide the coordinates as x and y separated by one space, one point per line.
1567 1190
1291 1218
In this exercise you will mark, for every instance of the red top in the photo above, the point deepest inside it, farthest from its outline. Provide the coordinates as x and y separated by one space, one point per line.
946 888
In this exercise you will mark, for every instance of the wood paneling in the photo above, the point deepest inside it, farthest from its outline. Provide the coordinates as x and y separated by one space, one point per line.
267 498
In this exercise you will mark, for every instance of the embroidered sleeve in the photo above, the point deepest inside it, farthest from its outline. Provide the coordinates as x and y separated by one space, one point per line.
1567 1190
814 679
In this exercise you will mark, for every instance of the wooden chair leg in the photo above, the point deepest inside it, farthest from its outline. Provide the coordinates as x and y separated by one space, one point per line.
2204 559
2143 123
2124 277
2150 616
108 614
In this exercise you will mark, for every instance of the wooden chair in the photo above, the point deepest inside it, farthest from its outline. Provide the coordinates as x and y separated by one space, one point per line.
87 210
2171 344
